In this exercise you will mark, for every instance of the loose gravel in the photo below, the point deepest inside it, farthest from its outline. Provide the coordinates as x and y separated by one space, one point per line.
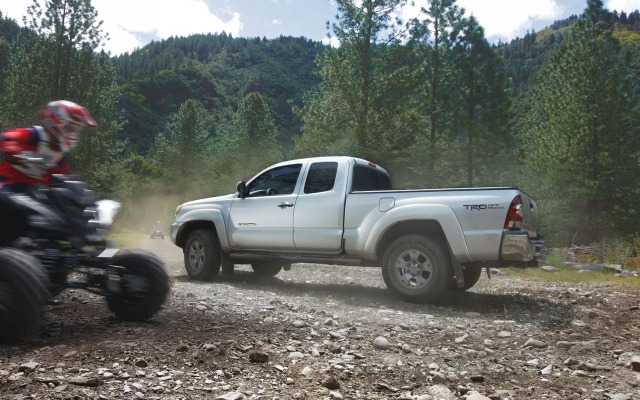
334 332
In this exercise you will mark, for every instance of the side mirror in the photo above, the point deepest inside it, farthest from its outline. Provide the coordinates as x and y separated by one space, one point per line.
241 187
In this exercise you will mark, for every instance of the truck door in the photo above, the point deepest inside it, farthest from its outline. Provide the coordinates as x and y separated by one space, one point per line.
264 219
319 212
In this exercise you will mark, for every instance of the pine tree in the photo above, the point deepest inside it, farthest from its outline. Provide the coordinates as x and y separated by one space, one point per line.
434 36
250 143
184 150
484 117
582 144
358 108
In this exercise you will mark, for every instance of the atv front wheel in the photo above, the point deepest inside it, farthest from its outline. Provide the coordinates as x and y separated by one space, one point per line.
137 285
23 291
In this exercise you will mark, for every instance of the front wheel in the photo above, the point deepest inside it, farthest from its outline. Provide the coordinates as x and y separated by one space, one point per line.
416 268
267 269
202 255
23 291
137 285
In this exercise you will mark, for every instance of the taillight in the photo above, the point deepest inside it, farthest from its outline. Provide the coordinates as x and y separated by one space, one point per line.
514 216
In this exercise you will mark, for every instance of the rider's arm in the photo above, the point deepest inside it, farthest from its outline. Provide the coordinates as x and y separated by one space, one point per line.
16 141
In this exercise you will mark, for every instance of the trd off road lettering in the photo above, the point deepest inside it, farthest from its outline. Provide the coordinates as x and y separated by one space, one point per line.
483 207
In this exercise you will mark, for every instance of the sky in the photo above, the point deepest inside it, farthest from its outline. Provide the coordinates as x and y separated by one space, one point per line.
133 23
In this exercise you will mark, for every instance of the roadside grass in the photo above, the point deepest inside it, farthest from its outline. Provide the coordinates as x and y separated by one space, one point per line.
126 238
569 275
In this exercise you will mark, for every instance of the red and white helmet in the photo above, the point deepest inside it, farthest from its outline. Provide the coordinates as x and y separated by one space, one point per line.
66 120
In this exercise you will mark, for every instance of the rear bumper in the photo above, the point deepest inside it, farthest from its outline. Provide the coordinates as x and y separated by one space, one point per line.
517 246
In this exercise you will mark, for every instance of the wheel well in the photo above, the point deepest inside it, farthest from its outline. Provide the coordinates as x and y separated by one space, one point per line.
192 226
428 228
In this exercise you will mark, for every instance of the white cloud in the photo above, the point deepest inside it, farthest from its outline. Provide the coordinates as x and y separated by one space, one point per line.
623 5
507 19
15 9
130 23
332 41
158 18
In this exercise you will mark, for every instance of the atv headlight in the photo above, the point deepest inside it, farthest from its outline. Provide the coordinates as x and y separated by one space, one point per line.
107 211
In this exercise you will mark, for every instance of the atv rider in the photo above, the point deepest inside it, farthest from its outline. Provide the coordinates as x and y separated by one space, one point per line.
30 156
33 154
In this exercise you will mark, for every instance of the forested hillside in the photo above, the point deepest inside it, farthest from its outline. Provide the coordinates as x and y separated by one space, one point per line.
555 112
218 71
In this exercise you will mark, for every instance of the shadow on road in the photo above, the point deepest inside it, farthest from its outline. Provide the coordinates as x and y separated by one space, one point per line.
475 303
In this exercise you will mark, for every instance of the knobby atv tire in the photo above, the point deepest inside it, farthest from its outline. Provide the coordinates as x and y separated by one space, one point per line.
23 291
267 269
144 285
202 255
417 269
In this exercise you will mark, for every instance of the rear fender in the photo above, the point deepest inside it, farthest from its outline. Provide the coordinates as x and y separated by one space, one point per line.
439 213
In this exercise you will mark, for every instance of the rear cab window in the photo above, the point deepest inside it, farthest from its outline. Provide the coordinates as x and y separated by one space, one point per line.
369 178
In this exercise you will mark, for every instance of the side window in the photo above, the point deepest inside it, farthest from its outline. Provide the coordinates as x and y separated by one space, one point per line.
368 178
280 180
321 177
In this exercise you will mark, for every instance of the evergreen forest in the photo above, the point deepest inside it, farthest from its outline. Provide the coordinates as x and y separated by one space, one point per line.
555 113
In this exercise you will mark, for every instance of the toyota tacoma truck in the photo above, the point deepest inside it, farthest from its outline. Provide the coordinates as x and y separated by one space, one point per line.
343 211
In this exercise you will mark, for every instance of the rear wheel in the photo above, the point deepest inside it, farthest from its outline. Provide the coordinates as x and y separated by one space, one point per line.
137 285
23 291
267 269
416 268
202 255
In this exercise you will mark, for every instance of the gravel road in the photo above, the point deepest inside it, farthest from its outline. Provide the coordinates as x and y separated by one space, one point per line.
330 332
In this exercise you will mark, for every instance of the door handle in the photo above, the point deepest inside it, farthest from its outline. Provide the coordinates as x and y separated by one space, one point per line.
285 204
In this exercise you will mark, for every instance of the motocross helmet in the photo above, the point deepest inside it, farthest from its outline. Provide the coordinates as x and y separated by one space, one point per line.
66 120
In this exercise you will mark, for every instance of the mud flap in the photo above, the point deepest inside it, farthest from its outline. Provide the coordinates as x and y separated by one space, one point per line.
457 271
227 264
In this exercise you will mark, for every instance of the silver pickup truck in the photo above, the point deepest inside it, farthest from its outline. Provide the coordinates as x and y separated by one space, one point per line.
342 211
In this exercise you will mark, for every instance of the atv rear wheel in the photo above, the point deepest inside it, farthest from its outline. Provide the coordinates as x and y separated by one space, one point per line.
137 285
23 291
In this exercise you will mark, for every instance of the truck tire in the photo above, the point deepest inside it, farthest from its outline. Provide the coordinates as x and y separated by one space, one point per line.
202 255
143 285
267 269
23 291
416 268
471 274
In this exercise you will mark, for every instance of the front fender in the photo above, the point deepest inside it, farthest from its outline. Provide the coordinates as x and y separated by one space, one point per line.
439 213
187 222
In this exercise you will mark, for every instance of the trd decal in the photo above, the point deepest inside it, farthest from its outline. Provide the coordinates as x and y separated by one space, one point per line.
481 207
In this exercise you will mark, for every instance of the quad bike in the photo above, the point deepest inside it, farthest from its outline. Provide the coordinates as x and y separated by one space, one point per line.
157 232
53 239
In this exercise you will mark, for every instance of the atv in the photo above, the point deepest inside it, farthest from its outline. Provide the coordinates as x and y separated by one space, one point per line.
157 232
53 239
